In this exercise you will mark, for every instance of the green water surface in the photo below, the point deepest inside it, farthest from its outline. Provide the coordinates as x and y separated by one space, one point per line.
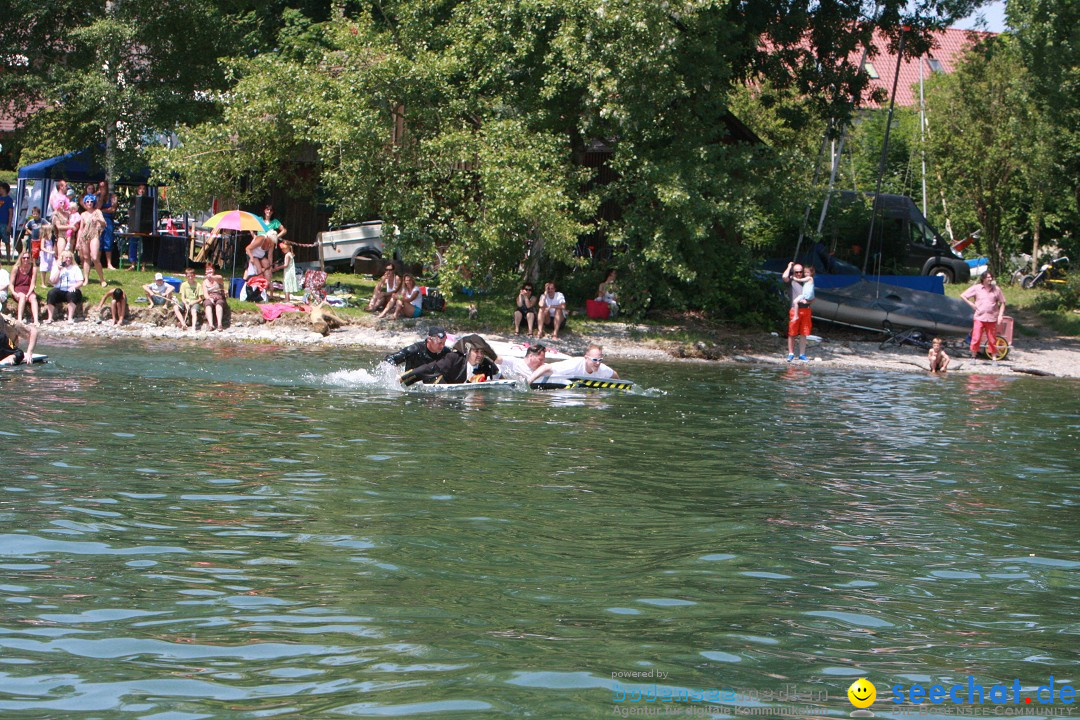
255 531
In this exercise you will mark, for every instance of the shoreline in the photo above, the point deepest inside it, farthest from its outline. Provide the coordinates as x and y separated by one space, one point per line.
1053 357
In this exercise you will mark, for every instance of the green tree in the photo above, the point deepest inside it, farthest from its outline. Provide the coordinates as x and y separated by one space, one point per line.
464 123
1048 36
976 132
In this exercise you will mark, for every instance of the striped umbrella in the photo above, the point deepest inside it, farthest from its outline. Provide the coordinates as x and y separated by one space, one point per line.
236 220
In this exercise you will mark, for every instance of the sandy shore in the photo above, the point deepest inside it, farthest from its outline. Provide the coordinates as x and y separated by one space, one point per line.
1041 356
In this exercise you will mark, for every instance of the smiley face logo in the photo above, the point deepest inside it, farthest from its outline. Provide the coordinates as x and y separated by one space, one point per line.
862 693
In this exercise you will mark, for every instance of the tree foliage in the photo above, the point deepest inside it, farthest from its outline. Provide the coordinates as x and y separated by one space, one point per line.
473 126
464 125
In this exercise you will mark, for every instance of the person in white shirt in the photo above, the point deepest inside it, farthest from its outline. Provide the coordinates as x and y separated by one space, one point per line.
552 311
512 368
66 279
590 366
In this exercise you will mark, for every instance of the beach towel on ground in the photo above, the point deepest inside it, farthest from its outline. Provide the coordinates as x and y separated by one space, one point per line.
272 311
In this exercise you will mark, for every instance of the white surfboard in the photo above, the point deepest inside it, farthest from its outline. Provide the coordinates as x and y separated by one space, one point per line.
38 359
468 387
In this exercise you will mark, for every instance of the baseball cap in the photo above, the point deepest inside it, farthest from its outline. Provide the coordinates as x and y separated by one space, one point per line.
436 331
159 276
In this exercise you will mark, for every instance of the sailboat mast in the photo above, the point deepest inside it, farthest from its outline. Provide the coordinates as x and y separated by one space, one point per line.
922 133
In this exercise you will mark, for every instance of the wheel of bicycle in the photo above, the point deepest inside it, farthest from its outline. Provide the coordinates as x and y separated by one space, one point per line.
1000 349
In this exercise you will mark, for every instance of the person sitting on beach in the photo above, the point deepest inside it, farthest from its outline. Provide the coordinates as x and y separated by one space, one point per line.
118 306
214 302
468 362
939 359
385 289
190 299
408 303
590 366
552 311
21 286
422 352
11 333
606 293
67 280
158 293
513 368
526 309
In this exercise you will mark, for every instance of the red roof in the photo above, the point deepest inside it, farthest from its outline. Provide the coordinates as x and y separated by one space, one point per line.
949 46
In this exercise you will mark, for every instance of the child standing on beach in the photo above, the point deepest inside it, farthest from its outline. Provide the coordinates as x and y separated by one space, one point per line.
289 281
939 359
47 254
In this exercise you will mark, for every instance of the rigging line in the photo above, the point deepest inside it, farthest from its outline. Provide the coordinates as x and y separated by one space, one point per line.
813 182
836 162
884 157
835 159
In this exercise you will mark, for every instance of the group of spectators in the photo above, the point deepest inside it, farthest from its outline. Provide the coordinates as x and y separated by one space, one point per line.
208 296
260 268
79 230
473 360
397 297
537 312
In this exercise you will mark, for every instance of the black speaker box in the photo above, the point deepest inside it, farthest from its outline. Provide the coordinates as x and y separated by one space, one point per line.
142 216
171 253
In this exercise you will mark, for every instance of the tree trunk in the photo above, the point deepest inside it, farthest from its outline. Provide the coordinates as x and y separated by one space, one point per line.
536 249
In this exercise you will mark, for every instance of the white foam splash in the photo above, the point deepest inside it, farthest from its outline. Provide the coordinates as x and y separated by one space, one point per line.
383 377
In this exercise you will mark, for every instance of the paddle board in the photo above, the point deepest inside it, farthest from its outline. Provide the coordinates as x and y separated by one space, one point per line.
582 383
469 387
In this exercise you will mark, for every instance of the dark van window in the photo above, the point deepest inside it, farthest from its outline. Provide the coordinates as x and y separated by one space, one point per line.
921 235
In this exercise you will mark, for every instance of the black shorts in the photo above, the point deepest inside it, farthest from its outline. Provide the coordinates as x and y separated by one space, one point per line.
526 310
58 296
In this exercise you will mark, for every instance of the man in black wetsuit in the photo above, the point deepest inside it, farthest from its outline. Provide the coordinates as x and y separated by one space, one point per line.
467 363
11 332
422 352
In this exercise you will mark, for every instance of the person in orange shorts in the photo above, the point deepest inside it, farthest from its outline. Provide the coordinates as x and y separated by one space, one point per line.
799 316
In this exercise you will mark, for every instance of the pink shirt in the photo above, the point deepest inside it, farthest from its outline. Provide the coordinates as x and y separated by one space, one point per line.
986 300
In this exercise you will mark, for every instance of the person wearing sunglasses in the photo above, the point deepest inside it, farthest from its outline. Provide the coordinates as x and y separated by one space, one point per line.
526 309
590 366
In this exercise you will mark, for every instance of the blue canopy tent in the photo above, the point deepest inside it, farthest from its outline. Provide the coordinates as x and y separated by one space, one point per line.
35 182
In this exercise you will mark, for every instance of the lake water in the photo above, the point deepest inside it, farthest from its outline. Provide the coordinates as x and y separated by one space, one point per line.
255 531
